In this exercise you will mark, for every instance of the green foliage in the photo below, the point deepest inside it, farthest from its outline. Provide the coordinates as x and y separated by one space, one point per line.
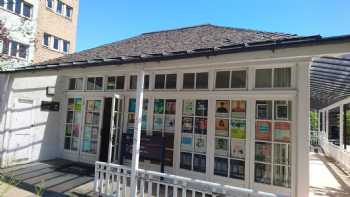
39 189
313 120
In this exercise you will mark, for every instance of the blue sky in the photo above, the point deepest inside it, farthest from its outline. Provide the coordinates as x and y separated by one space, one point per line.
102 22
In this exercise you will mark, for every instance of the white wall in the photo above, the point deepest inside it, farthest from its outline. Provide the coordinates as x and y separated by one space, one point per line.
21 30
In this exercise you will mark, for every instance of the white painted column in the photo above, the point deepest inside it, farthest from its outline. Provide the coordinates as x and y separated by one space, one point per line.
303 125
137 133
341 125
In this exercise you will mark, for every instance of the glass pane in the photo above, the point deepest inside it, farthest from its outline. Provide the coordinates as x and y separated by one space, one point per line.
201 108
221 127
158 122
79 84
187 142
169 124
170 107
133 82
187 124
70 116
262 173
27 10
171 81
18 7
67 143
120 82
263 130
222 79
22 51
237 169
186 161
263 151
263 110
159 82
282 77
199 163
282 154
69 129
283 110
202 81
201 126
111 82
281 176
238 79
99 83
146 82
222 108
221 166
71 85
90 83
14 49
200 143
159 106
238 129
188 81
237 149
75 143
221 146
263 78
188 107
281 132
76 130
169 140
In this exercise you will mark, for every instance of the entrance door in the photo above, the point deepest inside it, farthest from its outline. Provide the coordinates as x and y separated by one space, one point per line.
112 129
20 146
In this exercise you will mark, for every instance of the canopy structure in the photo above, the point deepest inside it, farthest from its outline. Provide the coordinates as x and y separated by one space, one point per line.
329 80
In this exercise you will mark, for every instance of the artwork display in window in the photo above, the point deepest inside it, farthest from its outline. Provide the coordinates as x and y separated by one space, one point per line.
132 105
158 106
221 146
76 130
263 151
238 149
77 104
238 128
222 108
186 161
282 154
188 107
169 122
187 142
170 107
237 169
199 163
201 108
131 120
221 127
238 109
200 143
91 127
281 176
220 166
281 132
281 111
262 173
263 130
187 124
262 111
201 126
158 122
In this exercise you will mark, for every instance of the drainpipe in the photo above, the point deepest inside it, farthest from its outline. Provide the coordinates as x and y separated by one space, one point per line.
137 133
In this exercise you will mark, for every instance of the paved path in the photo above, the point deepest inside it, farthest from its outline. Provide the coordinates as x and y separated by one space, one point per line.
326 179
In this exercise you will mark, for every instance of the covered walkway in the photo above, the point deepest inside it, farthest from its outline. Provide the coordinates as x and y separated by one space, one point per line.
326 179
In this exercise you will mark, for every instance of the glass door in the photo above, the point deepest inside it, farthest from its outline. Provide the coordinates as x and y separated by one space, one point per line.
116 129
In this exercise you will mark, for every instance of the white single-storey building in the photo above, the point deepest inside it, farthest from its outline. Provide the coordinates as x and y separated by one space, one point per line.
227 105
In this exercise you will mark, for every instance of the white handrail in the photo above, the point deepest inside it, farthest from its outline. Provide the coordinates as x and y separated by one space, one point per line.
112 179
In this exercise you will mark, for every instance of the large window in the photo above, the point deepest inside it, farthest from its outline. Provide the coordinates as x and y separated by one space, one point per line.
91 126
164 125
273 142
277 78
230 138
133 82
94 83
194 135
230 79
19 7
165 81
115 83
132 115
56 43
60 8
73 124
15 49
195 80
75 84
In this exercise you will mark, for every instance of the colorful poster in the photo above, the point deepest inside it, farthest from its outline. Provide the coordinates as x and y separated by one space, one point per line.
144 122
170 107
187 142
188 107
281 132
145 105
281 111
263 130
94 133
201 126
262 111
238 128
187 124
97 106
159 106
70 105
76 130
238 149
201 107
87 133
169 122
96 118
263 152
158 122
200 143
90 106
221 127
88 118
86 146
68 131
77 104
77 117
132 105
131 120
221 146
238 109
222 108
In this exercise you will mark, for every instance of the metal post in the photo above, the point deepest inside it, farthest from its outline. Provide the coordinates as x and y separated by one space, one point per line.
137 133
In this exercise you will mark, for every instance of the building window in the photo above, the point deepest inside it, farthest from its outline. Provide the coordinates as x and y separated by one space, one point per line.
165 81
59 7
19 7
75 84
133 82
195 80
69 11
114 83
56 43
230 138
49 3
2 3
27 10
94 83
91 126
164 116
132 115
65 46
231 79
46 39
277 78
15 49
73 124
273 142
10 4
194 135
146 82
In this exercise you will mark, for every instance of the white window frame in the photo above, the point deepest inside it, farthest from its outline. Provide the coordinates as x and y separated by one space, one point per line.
230 79
195 80
292 77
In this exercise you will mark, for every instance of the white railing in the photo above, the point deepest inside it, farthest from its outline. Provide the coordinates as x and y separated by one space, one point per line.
338 153
114 180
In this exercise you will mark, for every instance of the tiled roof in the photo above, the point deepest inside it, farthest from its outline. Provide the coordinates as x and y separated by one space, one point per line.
182 39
